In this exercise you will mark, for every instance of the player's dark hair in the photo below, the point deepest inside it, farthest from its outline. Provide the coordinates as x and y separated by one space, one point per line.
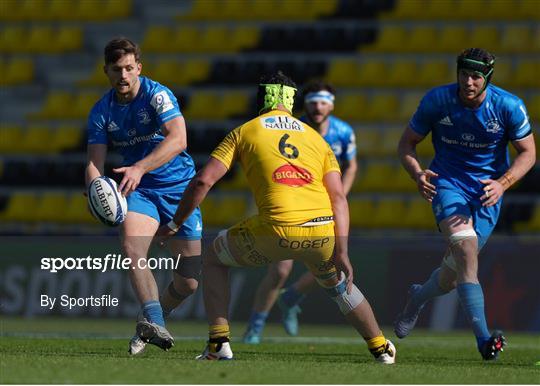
278 78
119 47
477 59
318 85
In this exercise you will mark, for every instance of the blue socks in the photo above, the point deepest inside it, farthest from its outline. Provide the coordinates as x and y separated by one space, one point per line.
291 297
153 313
430 289
472 301
257 320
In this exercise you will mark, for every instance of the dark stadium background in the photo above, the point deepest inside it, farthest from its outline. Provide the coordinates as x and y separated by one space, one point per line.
382 56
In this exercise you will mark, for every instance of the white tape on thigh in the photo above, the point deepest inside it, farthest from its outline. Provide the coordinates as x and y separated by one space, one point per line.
221 247
465 234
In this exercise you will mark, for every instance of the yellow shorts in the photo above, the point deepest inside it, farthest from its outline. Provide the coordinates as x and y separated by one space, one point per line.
254 243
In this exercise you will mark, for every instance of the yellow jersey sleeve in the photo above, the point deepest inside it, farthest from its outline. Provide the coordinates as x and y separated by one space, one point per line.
330 162
227 149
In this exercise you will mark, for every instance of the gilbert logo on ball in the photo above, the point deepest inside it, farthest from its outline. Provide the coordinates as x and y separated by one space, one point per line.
105 202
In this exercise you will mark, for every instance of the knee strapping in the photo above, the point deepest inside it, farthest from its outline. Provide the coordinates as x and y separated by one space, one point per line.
190 267
221 248
174 293
465 234
346 302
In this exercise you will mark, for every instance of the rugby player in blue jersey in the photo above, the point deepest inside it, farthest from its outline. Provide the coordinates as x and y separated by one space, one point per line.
141 120
471 122
319 99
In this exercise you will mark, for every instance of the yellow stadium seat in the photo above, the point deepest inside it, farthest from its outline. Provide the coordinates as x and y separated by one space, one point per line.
382 106
13 39
516 39
54 106
267 10
367 142
503 10
450 39
403 72
59 10
351 106
50 207
16 71
37 139
118 9
77 210
372 72
377 177
485 37
391 38
234 103
66 138
323 7
342 72
214 39
409 104
388 214
435 72
418 214
11 139
10 10
195 70
187 39
526 73
157 39
21 207
390 141
402 181
533 108
83 103
528 10
360 212
41 39
440 10
69 38
503 74
202 10
169 72
425 148
203 105
421 39
245 36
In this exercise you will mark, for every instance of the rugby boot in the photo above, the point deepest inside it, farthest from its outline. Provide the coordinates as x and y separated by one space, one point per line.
251 337
289 315
385 354
406 320
136 345
216 351
490 350
154 334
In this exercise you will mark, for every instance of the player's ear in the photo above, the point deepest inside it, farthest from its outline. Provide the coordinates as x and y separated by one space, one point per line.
139 67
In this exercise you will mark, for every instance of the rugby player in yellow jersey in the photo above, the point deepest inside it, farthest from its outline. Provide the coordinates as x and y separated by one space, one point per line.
303 215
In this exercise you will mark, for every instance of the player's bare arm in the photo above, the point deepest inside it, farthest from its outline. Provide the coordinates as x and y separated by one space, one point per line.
409 160
95 164
524 161
174 143
340 209
195 193
349 174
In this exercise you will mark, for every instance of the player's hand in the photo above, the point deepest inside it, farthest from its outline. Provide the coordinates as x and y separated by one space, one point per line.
163 234
343 264
425 187
132 178
493 191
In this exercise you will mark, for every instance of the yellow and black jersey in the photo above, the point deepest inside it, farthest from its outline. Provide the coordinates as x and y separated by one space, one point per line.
284 161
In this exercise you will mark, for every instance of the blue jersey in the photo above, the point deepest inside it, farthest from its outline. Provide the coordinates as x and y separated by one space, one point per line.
340 137
134 130
471 144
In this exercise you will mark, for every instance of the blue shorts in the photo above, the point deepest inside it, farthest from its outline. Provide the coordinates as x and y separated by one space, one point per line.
451 200
161 204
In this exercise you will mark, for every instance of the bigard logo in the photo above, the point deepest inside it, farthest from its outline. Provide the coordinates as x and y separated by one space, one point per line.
292 175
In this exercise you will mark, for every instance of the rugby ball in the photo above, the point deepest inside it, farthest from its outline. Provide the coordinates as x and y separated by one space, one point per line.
105 201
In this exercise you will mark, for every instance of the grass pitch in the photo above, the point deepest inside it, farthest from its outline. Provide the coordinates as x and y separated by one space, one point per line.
95 351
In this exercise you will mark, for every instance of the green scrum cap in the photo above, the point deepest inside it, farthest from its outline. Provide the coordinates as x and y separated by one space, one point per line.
478 60
275 94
